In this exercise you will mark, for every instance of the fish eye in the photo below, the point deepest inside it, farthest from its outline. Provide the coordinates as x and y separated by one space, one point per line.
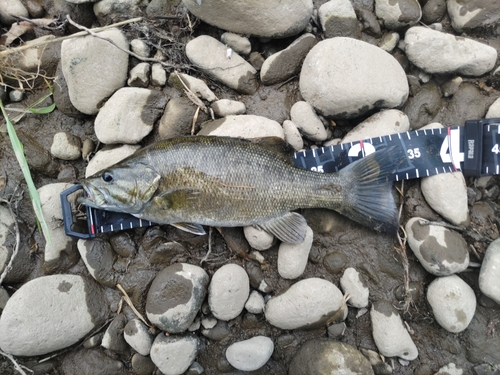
107 177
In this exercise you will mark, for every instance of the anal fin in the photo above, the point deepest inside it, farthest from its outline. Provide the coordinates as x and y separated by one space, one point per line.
290 228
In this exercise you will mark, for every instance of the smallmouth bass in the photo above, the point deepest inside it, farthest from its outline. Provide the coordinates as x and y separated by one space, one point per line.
217 181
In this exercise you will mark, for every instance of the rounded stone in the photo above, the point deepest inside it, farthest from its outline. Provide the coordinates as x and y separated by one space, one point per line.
258 239
66 146
243 126
345 78
489 275
352 285
292 135
226 107
399 13
307 121
105 158
255 303
453 302
292 258
228 291
174 354
251 354
137 335
175 297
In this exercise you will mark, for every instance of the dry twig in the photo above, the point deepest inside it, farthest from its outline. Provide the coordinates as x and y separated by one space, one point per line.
19 368
129 302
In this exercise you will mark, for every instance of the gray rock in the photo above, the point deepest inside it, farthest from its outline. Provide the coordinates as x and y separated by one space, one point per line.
66 146
255 303
139 75
243 126
129 115
228 291
323 356
113 336
292 135
89 362
352 285
238 43
398 14
453 302
385 122
286 63
337 88
389 333
338 18
94 69
196 85
441 53
210 56
50 313
226 107
307 303
451 87
377 361
175 297
16 96
440 251
307 121
108 10
105 158
10 10
473 14
142 365
99 258
251 354
259 239
4 297
158 75
177 119
433 11
139 47
389 41
422 108
292 258
489 277
137 335
263 18
174 354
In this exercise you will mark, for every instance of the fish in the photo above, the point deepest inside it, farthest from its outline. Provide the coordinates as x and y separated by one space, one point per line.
195 181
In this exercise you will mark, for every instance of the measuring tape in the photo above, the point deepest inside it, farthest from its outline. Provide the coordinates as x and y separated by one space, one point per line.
473 149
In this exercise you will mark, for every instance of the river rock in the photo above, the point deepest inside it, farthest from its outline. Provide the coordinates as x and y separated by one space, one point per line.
292 135
228 291
308 122
323 356
258 239
423 107
66 146
238 43
140 47
472 14
94 69
255 303
440 251
433 11
10 10
453 302
243 126
108 10
251 354
99 259
106 158
441 53
196 85
449 369
389 333
89 362
113 339
137 335
139 75
337 88
494 110
389 121
174 354
352 285
286 63
175 297
158 75
129 115
307 303
398 14
177 119
210 56
292 258
50 313
389 41
226 107
489 275
263 18
338 18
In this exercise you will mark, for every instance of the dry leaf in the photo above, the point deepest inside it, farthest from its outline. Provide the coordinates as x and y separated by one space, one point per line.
20 28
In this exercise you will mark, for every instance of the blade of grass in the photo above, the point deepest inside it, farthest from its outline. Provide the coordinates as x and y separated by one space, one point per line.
21 159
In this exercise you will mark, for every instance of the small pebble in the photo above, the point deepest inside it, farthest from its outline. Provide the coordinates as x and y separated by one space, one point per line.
16 96
292 135
174 354
251 354
352 285
137 335
139 75
307 121
66 146
139 47
450 369
255 303
226 107
292 258
158 75
238 43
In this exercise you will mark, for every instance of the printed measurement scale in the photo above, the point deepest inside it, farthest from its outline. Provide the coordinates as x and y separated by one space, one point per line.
473 149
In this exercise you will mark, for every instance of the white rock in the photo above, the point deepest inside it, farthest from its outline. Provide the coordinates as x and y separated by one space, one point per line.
140 47
243 126
441 252
292 258
389 333
139 75
209 322
94 68
174 354
263 18
251 354
472 15
489 276
336 87
228 291
50 313
255 303
10 10
226 107
441 53
338 18
453 302
494 110
389 41
106 158
196 85
238 43
258 239
449 369
292 135
385 122
16 96
158 75
137 335
210 56
354 287
129 115
398 14
66 146
307 303
307 121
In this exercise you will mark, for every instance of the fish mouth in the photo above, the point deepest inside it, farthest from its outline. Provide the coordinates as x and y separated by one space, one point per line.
93 197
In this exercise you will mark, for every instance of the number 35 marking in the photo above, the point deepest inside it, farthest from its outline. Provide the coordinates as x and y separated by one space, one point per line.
413 153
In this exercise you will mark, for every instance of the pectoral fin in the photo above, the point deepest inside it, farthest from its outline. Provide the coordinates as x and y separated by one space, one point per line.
176 199
289 228
190 227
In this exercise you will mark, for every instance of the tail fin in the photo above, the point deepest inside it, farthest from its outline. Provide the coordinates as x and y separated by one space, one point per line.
368 197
